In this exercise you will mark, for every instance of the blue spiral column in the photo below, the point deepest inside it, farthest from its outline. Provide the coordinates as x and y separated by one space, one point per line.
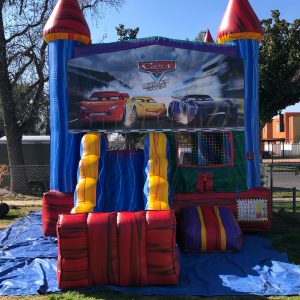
241 27
65 29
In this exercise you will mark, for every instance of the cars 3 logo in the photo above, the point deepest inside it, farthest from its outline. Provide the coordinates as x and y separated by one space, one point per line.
157 70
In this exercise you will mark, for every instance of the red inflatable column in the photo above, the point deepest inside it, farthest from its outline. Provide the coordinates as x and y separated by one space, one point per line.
103 248
162 257
132 248
55 203
73 261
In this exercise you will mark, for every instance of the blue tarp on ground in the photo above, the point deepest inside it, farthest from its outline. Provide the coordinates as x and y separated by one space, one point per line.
28 266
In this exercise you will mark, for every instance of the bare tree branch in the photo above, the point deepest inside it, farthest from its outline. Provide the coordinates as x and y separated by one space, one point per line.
88 4
30 26
23 71
19 73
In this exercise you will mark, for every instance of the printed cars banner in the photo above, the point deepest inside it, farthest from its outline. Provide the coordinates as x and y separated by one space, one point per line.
155 88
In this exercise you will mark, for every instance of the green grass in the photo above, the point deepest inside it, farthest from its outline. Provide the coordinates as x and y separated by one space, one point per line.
109 295
285 194
285 232
284 207
16 212
115 296
282 168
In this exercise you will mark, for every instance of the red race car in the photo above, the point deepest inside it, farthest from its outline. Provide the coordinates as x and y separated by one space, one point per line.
106 106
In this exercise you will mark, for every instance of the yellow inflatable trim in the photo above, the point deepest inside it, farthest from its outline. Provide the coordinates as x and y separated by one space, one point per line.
158 172
88 173
240 36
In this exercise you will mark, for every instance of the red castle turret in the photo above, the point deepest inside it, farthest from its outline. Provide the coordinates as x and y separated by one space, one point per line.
208 38
67 23
239 22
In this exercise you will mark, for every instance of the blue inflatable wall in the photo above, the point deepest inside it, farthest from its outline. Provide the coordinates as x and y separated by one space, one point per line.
248 51
64 147
123 182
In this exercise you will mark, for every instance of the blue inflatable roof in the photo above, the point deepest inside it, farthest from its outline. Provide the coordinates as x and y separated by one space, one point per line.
80 51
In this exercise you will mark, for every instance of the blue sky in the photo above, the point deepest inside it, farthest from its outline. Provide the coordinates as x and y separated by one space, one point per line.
180 19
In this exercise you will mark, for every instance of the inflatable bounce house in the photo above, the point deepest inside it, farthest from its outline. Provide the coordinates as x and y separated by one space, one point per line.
154 149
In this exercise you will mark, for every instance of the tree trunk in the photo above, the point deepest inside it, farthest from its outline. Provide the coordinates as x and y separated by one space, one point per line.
18 178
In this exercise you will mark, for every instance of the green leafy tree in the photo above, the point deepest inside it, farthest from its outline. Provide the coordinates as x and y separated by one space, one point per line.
200 37
126 34
23 71
279 66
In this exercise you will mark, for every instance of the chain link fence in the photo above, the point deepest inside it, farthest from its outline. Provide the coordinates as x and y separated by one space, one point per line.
280 172
32 180
283 179
283 153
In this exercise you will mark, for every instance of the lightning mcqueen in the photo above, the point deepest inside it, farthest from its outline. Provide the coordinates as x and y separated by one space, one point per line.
203 111
108 106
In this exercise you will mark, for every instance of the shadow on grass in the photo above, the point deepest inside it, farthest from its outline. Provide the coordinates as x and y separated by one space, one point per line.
283 190
10 217
106 294
285 234
14 214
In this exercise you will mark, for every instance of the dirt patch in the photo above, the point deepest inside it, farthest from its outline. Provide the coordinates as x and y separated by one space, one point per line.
6 196
23 203
19 200
3 226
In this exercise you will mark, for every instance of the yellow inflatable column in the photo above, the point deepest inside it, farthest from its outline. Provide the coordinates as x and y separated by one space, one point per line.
158 185
85 193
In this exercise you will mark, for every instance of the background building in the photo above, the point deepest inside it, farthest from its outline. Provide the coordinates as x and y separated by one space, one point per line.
282 137
290 130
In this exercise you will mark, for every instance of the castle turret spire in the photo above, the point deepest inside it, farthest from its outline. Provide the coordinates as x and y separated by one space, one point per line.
67 23
208 38
239 22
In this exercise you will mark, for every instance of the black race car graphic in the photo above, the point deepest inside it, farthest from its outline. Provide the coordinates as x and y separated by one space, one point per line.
203 111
